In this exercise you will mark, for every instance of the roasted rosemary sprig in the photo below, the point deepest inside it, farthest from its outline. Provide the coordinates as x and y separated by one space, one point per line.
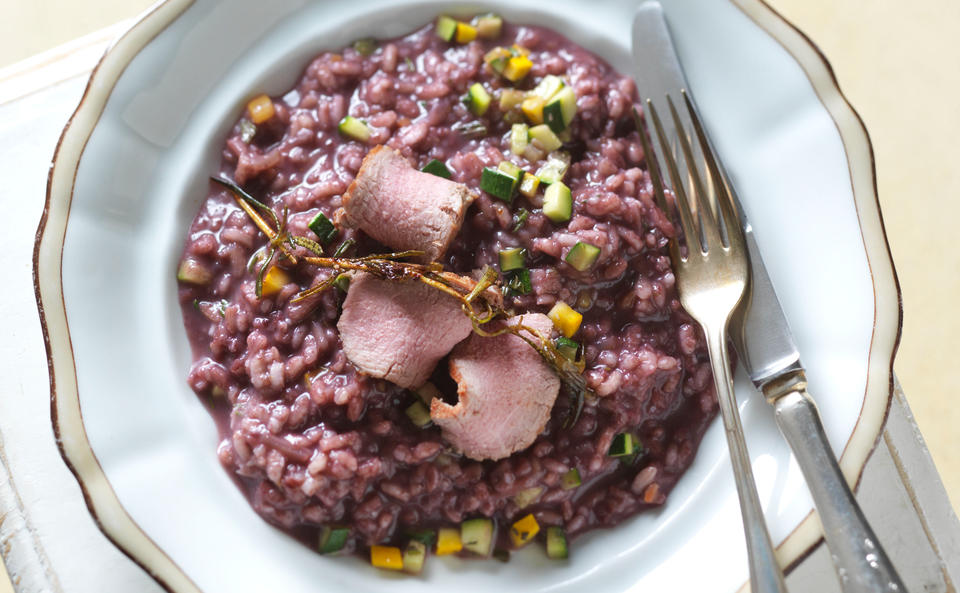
481 299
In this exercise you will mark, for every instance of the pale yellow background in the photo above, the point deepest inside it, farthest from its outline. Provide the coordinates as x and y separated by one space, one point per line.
899 65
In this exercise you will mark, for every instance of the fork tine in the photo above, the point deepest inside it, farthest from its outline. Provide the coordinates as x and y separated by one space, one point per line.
725 204
708 222
686 218
651 158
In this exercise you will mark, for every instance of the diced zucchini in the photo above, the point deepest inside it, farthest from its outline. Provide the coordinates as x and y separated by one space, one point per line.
543 134
478 99
446 28
247 130
414 556
436 167
260 109
332 539
426 537
517 67
567 347
510 169
498 184
519 136
565 319
518 282
497 59
532 107
448 541
559 111
510 98
366 46
418 414
533 153
529 185
582 256
427 392
323 228
548 87
523 498
622 445
465 33
571 479
387 557
519 50
557 543
488 26
352 127
342 282
524 530
558 202
512 258
555 168
273 281
477 536
193 272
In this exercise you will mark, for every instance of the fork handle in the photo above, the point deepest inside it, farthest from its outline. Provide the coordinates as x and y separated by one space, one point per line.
861 563
765 573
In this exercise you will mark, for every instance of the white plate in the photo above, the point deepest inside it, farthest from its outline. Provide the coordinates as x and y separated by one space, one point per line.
130 173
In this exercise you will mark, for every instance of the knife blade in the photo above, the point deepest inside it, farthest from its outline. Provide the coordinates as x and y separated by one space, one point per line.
762 338
768 353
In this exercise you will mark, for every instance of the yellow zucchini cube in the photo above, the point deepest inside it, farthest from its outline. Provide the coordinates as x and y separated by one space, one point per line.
465 33
524 530
448 541
274 280
517 68
566 319
387 557
532 107
260 109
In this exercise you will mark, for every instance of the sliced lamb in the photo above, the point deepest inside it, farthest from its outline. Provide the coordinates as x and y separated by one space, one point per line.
506 393
403 208
399 331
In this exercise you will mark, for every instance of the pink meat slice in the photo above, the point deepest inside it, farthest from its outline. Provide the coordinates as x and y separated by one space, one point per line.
399 331
404 208
506 393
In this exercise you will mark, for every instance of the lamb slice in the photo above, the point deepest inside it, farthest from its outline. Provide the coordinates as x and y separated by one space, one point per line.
398 331
506 393
403 208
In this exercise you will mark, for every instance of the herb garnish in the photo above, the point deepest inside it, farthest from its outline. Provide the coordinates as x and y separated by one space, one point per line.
473 129
520 219
480 300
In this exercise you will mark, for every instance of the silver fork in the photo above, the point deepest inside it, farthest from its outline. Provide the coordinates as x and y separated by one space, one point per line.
712 277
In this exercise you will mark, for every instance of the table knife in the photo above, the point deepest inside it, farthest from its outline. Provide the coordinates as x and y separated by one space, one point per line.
768 353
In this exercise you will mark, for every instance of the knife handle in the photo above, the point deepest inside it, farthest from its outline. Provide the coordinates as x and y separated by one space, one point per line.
861 563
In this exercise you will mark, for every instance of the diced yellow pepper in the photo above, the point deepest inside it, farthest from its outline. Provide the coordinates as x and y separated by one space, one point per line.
532 107
260 109
566 319
388 557
465 33
524 530
517 68
274 280
448 541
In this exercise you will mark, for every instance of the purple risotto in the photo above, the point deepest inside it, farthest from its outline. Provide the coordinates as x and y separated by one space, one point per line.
431 305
